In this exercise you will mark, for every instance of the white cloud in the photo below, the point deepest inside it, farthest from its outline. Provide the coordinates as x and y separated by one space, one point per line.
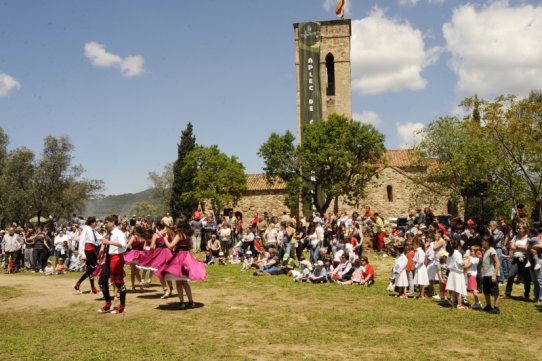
411 3
367 118
132 65
330 5
495 48
409 134
8 84
388 54
99 57
408 2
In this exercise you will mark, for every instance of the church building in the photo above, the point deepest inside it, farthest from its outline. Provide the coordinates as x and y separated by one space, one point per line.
323 78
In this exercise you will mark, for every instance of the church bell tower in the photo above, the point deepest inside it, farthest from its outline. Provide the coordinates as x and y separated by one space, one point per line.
322 70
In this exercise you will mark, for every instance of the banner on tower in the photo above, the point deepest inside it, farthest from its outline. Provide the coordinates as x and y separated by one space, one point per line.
309 73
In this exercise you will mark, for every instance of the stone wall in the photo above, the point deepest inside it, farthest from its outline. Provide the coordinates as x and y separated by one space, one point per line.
260 201
404 192
405 195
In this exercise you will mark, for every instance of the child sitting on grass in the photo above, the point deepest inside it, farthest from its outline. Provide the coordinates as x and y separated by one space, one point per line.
77 264
320 273
49 270
221 259
234 258
248 261
304 273
61 267
209 259
357 275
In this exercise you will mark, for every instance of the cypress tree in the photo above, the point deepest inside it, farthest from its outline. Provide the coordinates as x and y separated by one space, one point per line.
182 184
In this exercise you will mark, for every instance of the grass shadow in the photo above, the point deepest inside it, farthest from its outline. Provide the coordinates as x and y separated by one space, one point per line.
151 296
174 306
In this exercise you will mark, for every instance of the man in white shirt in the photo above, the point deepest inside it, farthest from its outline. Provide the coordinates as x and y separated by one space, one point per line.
113 247
88 242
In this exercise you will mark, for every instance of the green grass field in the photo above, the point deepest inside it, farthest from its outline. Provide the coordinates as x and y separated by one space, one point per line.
242 317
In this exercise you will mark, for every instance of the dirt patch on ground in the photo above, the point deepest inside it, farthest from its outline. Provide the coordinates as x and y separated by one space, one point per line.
41 292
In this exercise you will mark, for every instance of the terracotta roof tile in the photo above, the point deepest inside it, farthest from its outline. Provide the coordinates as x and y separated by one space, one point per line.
400 158
258 182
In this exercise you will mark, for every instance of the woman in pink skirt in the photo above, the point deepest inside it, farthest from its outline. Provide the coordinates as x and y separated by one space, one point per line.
159 254
182 267
136 254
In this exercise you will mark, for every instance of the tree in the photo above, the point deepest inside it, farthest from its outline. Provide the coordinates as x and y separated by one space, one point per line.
161 187
179 203
337 157
514 126
16 186
144 208
217 178
50 185
57 187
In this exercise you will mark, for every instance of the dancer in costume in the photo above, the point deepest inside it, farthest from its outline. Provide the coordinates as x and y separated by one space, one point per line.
88 244
182 267
113 247
135 254
159 254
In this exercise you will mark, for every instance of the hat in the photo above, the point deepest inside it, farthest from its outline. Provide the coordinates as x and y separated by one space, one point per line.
423 226
320 263
249 252
470 223
49 261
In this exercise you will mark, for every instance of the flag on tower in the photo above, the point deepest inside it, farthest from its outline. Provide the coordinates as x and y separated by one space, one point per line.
339 10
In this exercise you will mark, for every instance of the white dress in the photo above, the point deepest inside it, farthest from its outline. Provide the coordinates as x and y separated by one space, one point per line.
420 278
432 262
399 271
456 277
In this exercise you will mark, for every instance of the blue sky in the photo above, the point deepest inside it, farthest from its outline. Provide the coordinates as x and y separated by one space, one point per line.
123 78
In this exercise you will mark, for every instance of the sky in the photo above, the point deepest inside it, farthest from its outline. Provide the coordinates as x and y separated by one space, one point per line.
122 78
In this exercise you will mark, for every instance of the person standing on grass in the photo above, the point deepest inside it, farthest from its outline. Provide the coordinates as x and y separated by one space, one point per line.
490 270
88 244
182 267
456 284
518 249
400 278
11 244
197 227
420 278
113 247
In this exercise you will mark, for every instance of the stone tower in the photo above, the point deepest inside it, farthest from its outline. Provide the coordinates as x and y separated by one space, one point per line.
333 60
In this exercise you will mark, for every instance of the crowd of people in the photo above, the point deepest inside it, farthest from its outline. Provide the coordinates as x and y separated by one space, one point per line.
448 254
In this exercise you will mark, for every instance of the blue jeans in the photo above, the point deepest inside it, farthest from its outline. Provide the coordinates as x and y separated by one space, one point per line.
315 253
287 248
272 270
502 267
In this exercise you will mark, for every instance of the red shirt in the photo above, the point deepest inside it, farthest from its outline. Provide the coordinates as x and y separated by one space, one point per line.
410 261
369 271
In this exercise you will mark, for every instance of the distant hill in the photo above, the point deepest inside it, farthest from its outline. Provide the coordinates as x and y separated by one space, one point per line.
118 204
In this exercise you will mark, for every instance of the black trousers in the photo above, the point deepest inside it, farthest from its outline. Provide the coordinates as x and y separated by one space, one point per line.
40 259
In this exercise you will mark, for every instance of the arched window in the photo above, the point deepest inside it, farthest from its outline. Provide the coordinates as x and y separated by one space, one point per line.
330 67
389 189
